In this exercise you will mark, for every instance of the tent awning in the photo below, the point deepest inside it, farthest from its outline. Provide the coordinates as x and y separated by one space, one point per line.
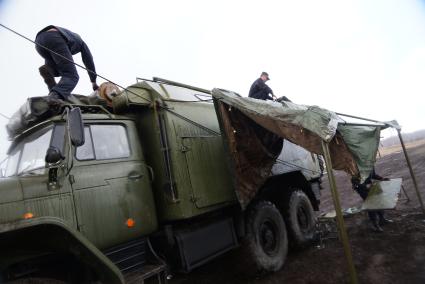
248 122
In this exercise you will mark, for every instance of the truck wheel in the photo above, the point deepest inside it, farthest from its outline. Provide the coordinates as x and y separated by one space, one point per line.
267 241
299 217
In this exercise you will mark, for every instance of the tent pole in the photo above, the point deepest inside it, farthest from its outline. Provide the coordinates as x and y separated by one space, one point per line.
361 124
340 220
411 171
358 117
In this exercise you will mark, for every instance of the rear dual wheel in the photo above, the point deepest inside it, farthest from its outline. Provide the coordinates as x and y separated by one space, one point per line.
266 239
299 218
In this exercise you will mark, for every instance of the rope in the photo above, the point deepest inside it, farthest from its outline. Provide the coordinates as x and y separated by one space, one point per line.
110 81
71 61
193 122
4 116
296 166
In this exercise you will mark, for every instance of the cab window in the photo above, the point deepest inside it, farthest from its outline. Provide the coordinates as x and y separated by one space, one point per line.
104 142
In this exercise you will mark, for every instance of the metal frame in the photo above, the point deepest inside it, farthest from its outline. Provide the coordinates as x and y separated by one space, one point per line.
398 128
411 171
335 196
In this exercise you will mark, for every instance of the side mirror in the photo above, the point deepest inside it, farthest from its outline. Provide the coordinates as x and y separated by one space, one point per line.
76 127
53 155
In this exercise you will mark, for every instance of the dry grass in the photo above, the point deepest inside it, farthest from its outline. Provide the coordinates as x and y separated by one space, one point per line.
383 151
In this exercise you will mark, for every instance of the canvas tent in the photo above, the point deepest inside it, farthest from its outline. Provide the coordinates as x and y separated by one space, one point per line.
353 148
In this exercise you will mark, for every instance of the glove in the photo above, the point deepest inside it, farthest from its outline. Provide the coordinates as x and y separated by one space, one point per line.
95 86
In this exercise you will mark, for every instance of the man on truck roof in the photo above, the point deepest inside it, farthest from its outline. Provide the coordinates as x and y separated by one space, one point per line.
259 89
57 45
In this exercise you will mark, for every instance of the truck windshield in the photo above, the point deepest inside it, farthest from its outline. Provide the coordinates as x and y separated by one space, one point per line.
27 157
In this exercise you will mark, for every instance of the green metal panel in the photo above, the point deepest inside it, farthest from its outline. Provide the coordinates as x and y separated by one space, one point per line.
60 206
106 196
110 199
209 174
40 200
36 186
168 208
200 121
11 211
174 196
26 238
10 190
30 193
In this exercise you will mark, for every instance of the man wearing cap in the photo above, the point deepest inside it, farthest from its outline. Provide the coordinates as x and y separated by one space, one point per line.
259 89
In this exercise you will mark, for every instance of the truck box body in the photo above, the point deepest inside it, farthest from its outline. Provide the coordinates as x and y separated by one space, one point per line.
185 135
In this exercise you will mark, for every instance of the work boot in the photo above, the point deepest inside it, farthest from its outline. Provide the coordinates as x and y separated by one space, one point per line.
47 76
376 227
55 101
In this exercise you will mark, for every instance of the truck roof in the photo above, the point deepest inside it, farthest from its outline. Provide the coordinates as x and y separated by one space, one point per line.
165 90
87 114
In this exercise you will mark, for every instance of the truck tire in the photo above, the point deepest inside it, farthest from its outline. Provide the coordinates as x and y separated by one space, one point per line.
299 218
266 238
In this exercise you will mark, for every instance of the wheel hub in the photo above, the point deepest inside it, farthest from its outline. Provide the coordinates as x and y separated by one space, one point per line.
303 219
268 238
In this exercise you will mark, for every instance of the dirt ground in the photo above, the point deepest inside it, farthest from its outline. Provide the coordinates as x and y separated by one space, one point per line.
395 256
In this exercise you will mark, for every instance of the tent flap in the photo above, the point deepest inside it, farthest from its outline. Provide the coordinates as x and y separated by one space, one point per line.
249 125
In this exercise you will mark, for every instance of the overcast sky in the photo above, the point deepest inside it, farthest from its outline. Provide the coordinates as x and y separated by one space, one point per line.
365 58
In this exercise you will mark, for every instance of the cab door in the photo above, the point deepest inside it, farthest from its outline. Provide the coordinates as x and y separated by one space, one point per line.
111 183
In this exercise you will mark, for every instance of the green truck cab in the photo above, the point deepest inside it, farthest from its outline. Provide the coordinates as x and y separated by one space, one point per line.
150 178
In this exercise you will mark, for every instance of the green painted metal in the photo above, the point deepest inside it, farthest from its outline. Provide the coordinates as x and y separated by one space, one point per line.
174 147
94 197
105 196
49 234
209 176
176 170
10 190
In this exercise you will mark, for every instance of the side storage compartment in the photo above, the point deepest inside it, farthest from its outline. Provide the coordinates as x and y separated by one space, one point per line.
187 246
198 246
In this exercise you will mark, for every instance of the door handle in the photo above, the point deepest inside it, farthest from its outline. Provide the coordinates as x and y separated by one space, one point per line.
135 176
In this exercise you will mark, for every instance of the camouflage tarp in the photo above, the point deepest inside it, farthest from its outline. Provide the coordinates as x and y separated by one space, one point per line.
353 148
37 109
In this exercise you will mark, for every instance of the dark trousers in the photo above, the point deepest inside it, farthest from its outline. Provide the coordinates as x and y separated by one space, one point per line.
261 95
374 215
57 65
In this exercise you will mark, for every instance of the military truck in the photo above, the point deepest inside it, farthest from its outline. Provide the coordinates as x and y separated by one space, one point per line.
94 193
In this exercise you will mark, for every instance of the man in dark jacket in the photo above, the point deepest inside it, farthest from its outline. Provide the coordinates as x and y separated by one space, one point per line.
376 217
61 41
259 89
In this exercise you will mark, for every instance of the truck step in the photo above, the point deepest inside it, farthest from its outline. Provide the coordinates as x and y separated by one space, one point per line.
128 256
152 273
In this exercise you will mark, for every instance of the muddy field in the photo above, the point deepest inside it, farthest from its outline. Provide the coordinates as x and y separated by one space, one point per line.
395 256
